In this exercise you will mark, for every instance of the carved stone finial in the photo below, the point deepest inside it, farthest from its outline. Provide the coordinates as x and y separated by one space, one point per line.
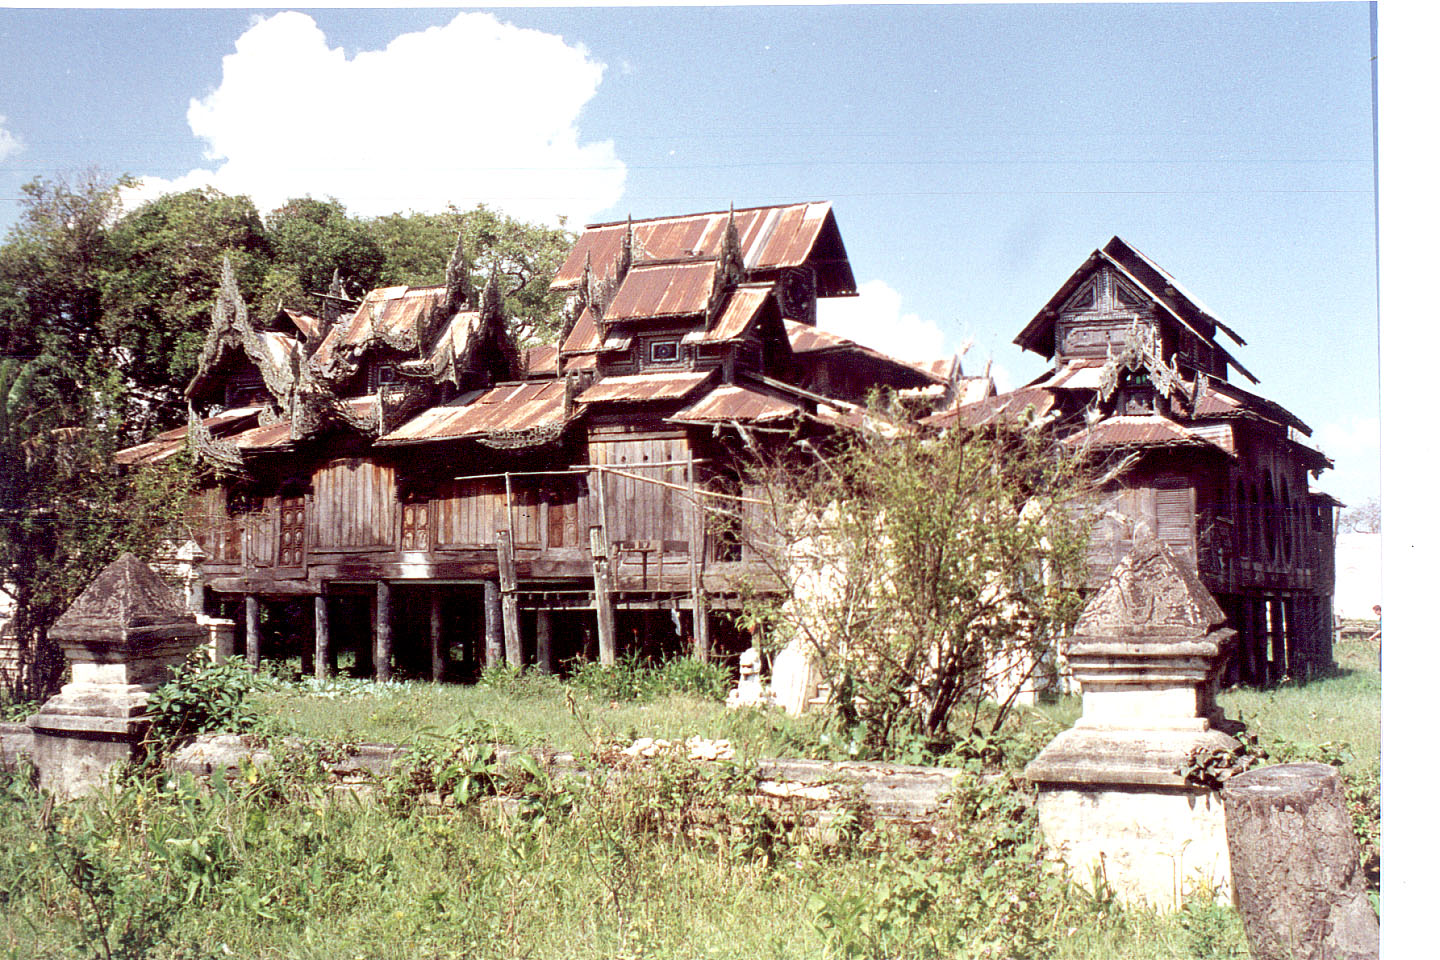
127 602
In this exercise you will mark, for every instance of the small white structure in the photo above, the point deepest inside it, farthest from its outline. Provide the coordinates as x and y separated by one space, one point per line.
1115 799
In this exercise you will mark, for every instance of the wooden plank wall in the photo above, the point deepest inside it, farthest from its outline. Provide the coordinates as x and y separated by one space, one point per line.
354 505
637 510
468 512
552 512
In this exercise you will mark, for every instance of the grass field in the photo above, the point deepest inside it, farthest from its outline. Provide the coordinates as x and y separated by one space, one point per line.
278 866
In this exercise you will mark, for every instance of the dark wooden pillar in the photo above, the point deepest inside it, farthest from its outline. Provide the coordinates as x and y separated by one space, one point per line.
494 629
439 646
252 631
1297 646
323 658
544 651
1251 667
384 632
1277 639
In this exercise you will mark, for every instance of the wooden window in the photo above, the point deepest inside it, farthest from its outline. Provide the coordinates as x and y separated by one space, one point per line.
415 526
665 351
292 531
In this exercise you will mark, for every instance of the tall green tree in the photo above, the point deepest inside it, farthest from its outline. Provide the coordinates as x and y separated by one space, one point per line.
166 258
522 256
310 240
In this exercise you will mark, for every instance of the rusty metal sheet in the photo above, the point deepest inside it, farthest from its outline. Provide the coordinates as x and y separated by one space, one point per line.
583 362
735 403
743 306
662 290
805 339
585 335
771 237
165 445
540 360
643 387
1140 431
1004 406
503 409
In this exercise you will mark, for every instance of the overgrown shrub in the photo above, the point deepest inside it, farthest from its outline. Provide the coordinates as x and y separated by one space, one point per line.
203 697
925 574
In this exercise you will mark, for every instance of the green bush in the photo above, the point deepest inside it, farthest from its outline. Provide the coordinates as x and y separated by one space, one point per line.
708 681
202 698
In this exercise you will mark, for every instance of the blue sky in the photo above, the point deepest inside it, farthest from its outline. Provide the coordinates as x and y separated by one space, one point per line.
975 155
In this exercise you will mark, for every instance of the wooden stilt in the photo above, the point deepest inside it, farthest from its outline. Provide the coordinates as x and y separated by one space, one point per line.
494 631
384 632
699 616
509 603
252 631
439 647
544 652
604 598
323 658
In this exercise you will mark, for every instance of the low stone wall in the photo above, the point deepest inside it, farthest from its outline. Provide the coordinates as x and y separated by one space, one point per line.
17 745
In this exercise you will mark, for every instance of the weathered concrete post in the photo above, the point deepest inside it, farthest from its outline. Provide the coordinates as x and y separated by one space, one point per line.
1148 651
120 636
1296 867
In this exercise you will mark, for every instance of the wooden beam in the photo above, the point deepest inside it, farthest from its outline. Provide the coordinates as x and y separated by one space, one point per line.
699 617
604 597
384 632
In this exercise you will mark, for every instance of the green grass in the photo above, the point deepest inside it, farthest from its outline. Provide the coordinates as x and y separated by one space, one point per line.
279 867
531 708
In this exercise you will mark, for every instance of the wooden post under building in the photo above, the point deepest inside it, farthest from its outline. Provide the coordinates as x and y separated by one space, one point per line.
439 648
252 631
494 632
509 603
384 632
322 637
544 651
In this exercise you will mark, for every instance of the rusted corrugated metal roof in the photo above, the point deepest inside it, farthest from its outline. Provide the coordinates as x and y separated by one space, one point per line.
540 360
1006 406
744 304
508 408
662 290
1220 398
1151 430
771 238
730 403
805 339
583 362
165 445
584 336
391 313
643 387
1075 375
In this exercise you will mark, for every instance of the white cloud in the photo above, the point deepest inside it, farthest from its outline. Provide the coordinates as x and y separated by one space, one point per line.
474 111
9 143
875 319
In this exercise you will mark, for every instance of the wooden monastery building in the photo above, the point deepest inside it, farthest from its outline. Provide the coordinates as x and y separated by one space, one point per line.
399 470
1220 474
399 483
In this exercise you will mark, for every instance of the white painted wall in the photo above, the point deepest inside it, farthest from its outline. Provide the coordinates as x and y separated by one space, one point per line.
1357 575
